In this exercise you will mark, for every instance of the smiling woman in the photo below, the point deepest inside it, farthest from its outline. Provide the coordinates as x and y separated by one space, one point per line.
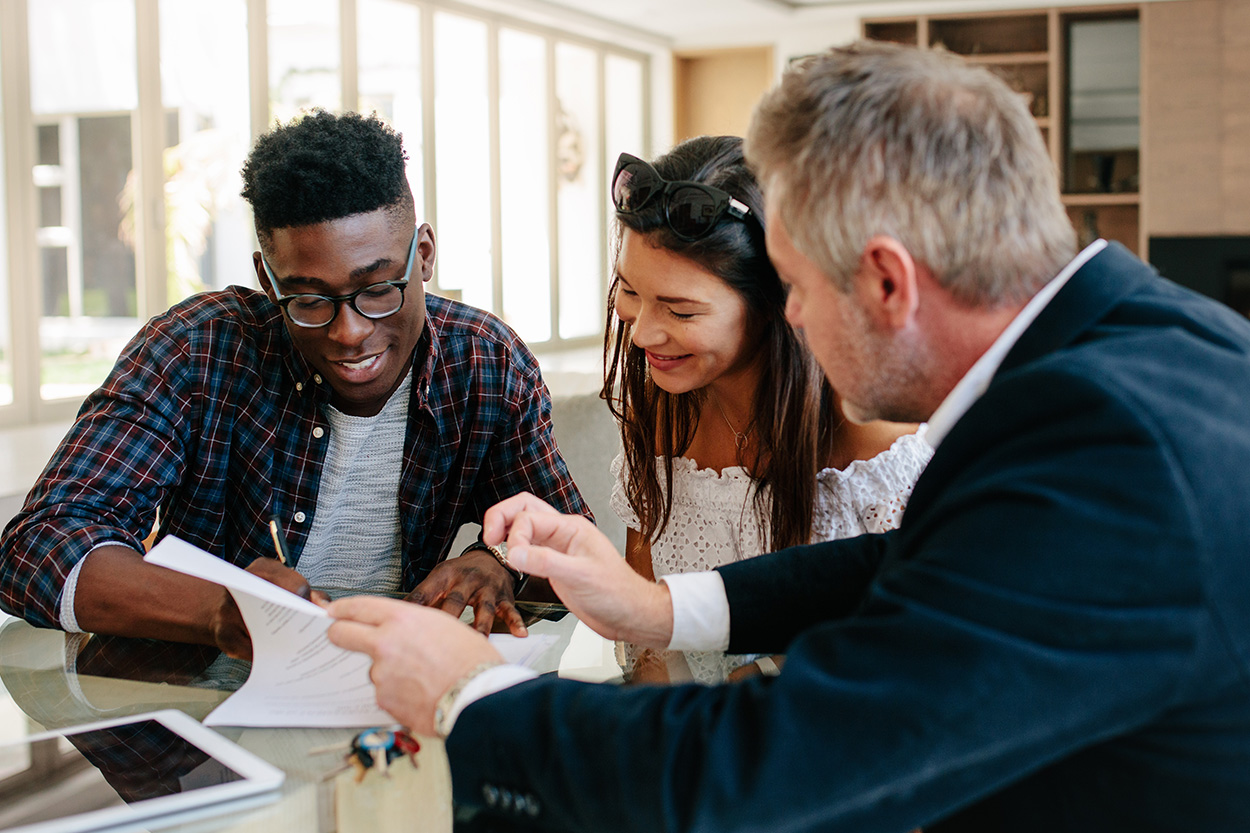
734 443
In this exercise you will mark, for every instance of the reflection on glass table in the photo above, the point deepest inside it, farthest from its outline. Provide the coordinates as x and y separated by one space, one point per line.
532 610
641 665
51 680
132 771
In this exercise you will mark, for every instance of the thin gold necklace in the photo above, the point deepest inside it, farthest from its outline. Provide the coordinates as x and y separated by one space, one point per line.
740 438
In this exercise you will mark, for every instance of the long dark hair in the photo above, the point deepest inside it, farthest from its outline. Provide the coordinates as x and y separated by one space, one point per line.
794 412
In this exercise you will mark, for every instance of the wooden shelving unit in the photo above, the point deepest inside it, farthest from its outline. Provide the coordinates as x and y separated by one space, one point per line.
1101 199
1028 49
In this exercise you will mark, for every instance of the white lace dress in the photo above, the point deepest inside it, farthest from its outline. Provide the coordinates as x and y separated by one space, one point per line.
714 520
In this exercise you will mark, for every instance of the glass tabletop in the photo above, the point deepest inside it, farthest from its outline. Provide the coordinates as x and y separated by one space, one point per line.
530 608
51 680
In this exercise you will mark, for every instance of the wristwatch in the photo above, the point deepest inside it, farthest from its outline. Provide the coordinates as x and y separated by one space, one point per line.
500 552
443 708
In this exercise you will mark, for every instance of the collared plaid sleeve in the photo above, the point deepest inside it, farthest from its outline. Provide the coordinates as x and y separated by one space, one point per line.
525 456
203 416
104 482
521 453
200 417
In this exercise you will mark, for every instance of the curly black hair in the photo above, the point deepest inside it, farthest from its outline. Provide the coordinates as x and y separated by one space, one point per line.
321 166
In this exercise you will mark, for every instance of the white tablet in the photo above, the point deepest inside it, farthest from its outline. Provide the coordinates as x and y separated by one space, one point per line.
118 772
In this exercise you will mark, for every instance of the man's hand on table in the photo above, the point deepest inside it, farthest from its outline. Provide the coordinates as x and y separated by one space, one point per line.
585 570
418 653
474 579
229 631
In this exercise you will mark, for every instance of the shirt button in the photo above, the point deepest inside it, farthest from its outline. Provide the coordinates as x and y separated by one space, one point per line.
317 378
319 432
299 385
299 517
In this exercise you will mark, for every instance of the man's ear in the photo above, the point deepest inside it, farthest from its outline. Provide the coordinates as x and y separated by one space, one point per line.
426 251
262 277
887 282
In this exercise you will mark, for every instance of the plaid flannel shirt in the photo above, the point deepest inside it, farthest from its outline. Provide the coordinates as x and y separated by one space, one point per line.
213 416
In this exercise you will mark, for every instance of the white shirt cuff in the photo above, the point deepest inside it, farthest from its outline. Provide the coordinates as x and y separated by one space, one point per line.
700 611
487 683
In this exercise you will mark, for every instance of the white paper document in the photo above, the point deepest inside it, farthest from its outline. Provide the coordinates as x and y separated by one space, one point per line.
298 677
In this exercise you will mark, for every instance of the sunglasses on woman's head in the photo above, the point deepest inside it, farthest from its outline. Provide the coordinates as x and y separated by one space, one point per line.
690 209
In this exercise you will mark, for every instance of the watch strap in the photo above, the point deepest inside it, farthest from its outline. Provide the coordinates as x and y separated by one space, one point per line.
500 553
443 708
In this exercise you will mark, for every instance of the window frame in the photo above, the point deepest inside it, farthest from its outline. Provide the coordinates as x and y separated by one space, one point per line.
148 143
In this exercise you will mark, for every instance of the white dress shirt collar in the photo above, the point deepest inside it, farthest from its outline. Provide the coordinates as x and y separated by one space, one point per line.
701 608
977 379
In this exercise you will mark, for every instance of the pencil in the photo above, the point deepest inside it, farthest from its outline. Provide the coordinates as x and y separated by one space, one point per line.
279 540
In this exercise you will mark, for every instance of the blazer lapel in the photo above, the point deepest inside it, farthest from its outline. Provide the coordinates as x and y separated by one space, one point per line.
1099 285
1087 297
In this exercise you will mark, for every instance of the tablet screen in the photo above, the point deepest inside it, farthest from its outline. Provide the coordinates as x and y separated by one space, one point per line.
81 772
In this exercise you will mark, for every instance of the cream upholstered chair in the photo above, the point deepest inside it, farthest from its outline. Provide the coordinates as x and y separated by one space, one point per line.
588 439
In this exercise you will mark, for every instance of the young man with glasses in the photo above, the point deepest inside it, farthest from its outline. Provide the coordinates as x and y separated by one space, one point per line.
369 419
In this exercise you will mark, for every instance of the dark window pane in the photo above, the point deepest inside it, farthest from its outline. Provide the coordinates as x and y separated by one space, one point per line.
50 207
55 281
108 264
49 144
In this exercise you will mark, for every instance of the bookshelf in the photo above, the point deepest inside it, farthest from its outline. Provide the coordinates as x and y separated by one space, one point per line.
1045 55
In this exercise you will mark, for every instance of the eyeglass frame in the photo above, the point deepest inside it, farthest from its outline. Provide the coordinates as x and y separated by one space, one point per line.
723 202
338 300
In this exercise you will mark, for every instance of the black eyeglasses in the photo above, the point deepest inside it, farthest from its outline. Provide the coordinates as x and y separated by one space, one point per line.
377 300
691 209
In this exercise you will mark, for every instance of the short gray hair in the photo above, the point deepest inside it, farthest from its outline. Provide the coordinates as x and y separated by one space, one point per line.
876 138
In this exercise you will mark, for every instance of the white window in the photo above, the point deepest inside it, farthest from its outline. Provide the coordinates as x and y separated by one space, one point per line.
305 62
207 133
122 145
6 334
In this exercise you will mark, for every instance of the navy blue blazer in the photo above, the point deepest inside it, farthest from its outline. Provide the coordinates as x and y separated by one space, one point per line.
1056 637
